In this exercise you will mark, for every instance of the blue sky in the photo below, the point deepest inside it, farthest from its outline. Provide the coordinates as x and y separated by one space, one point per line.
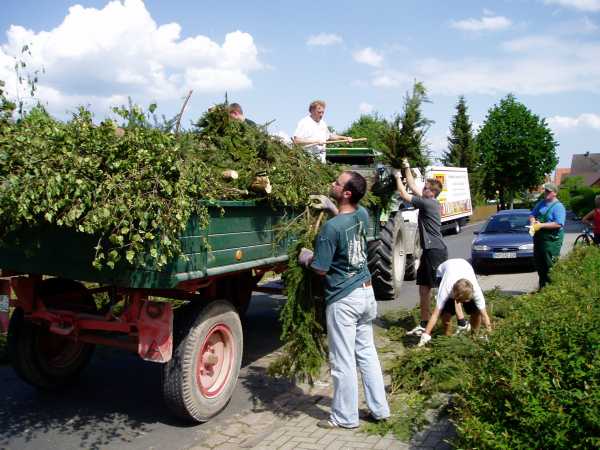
275 57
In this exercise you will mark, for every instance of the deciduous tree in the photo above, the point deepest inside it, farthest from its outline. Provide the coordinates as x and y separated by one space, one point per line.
517 150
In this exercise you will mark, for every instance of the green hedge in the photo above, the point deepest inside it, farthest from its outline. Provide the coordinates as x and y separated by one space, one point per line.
536 383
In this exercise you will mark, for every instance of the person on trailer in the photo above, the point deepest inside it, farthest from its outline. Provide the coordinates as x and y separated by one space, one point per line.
312 131
237 113
458 290
341 257
592 220
547 221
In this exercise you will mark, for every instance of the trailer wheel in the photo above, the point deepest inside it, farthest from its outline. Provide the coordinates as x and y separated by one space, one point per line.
200 378
387 260
44 359
413 260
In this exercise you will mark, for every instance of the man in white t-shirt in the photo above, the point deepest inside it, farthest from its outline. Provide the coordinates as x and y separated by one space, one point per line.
312 131
458 289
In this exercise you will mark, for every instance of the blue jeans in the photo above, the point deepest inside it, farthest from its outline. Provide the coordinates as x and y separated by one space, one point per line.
350 338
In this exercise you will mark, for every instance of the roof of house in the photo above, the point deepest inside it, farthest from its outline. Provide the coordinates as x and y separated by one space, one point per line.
587 162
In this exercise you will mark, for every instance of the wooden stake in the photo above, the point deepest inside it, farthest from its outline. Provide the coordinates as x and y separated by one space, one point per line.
180 115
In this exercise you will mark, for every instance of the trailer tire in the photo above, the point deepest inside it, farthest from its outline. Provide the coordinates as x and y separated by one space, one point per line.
198 381
413 260
387 259
44 359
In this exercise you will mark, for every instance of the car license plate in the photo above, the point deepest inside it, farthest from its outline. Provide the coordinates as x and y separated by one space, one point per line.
505 255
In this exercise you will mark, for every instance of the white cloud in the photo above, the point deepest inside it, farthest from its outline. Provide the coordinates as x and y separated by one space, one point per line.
323 39
365 108
486 23
104 55
586 120
523 69
368 56
581 5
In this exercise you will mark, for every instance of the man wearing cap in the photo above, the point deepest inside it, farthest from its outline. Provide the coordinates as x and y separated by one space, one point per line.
547 221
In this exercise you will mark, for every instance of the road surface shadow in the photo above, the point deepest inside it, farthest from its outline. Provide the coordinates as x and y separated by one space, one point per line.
118 398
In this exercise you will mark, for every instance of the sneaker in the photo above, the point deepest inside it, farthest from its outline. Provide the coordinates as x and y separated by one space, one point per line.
329 424
462 330
368 416
416 331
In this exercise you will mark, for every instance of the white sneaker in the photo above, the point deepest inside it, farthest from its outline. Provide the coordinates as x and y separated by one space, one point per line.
416 331
462 330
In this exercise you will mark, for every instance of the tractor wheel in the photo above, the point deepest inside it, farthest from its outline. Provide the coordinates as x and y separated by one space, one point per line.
200 378
413 260
387 260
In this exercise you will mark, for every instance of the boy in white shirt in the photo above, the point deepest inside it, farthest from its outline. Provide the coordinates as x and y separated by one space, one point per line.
458 288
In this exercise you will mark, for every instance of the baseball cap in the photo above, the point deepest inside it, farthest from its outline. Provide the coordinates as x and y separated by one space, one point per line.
550 187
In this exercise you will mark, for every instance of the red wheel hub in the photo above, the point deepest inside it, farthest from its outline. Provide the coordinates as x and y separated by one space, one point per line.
215 361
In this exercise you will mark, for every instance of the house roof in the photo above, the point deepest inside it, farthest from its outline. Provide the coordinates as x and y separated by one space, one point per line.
587 162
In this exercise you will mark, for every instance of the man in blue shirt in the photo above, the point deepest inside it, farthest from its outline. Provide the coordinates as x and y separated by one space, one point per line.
341 257
547 220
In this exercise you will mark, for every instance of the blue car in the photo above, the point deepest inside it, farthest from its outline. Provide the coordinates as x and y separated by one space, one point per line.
503 241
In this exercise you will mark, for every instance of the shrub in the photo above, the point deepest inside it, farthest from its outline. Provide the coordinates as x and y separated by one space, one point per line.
536 383
582 200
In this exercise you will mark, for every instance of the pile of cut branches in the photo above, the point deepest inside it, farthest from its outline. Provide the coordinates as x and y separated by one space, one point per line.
135 185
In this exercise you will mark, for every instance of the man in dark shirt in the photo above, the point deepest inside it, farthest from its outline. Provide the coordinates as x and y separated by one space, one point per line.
341 257
430 235
236 112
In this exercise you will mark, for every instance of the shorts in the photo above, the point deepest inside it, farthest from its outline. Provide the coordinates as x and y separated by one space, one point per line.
468 307
430 261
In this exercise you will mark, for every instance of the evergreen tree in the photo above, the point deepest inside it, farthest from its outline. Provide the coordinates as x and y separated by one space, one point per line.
461 144
405 137
461 147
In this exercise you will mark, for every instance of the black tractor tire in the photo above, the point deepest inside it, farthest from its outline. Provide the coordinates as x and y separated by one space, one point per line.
387 260
413 260
43 359
197 383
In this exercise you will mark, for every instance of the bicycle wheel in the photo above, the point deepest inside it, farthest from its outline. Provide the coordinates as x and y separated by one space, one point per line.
581 240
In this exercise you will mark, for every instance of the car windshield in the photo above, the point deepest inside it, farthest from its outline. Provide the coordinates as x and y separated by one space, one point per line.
514 223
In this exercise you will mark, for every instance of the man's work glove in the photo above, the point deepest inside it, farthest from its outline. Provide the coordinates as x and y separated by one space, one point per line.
462 330
425 338
305 257
323 202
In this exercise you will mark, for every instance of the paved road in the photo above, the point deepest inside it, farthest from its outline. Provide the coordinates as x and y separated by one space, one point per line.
118 405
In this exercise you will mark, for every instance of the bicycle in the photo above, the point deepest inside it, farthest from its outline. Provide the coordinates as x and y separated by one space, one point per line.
585 238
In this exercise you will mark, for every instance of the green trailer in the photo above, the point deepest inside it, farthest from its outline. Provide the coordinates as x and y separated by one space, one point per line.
56 321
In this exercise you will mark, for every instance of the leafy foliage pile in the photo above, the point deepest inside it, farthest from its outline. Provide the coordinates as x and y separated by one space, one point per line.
422 377
302 316
136 189
537 382
534 384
